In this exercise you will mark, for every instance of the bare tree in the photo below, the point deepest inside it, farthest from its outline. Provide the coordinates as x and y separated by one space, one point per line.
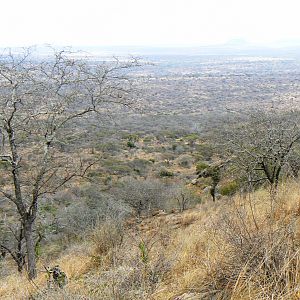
265 146
183 196
143 196
42 101
12 243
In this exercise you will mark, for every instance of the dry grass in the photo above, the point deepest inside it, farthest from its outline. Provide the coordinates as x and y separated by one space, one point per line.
75 262
239 248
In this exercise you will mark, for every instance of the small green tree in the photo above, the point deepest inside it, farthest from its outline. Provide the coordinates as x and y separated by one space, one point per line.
213 172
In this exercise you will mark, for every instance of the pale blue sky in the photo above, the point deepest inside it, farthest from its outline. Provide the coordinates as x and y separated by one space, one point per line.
147 22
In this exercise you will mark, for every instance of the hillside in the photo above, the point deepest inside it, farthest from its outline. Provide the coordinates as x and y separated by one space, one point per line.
236 248
150 150
174 180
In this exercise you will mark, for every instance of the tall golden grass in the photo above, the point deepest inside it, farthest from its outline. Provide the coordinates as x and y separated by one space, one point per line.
245 247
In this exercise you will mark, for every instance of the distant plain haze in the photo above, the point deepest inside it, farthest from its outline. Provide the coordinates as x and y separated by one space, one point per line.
164 23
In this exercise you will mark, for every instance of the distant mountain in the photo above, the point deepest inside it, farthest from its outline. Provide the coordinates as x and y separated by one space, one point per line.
237 46
232 47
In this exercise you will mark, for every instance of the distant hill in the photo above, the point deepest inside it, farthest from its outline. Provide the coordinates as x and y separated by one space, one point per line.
237 46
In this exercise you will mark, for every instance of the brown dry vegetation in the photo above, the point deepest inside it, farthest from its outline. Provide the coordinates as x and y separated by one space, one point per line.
241 247
237 248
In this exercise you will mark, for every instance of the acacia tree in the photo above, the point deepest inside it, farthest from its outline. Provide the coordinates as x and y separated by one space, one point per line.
42 101
265 146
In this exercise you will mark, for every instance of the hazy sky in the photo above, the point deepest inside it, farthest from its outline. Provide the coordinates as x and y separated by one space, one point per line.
147 22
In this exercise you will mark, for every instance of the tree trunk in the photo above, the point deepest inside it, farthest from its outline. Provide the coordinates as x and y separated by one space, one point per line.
213 193
31 261
20 265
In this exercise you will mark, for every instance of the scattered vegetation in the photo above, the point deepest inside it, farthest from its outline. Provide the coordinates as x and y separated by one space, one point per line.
179 205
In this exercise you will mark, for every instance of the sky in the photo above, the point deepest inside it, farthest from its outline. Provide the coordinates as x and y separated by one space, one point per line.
147 22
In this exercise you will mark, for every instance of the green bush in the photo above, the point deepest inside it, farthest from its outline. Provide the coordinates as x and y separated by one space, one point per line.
132 139
229 188
131 144
166 173
191 138
200 166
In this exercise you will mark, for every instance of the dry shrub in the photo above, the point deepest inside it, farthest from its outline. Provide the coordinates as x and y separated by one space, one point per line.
131 280
260 260
61 295
188 220
108 236
137 265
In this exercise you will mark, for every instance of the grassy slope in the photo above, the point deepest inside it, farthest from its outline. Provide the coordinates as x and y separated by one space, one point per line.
188 255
